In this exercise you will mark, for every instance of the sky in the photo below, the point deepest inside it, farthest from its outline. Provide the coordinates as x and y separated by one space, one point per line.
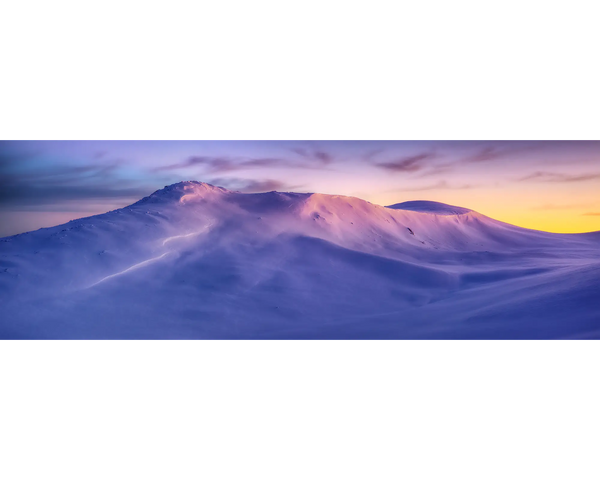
543 185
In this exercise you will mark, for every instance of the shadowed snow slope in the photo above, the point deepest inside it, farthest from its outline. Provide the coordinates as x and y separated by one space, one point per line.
430 207
197 261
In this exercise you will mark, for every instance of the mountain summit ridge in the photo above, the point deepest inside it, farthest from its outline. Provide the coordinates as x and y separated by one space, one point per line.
189 189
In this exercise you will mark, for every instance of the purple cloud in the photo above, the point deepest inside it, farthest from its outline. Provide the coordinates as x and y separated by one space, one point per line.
324 157
371 154
440 169
320 155
301 151
441 185
486 154
412 163
252 186
494 150
558 177
224 164
255 186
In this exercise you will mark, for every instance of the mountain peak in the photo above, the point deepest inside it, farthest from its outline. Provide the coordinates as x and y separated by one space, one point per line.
192 185
426 206
183 192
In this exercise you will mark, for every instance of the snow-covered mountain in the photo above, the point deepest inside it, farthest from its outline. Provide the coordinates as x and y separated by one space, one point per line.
197 261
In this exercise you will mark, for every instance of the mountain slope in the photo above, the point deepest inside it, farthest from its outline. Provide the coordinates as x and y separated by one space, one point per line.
197 261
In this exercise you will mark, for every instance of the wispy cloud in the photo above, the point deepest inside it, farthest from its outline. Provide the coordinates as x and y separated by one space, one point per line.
438 169
592 214
371 154
303 152
411 163
441 185
27 183
318 154
323 156
541 176
255 186
252 185
486 154
494 150
223 164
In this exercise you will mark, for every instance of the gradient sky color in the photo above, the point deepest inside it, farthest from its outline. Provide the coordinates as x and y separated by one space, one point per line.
544 185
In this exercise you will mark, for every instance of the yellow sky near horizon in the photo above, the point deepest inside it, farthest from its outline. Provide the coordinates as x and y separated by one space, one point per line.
558 213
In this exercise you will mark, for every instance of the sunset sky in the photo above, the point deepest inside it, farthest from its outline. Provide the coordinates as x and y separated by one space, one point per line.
545 185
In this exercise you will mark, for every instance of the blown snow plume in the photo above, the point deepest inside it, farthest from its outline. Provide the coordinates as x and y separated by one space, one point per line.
197 261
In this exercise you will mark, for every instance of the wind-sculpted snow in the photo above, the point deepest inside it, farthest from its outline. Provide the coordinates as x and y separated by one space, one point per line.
197 261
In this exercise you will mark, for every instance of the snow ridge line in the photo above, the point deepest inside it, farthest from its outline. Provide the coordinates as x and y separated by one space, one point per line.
133 267
207 227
